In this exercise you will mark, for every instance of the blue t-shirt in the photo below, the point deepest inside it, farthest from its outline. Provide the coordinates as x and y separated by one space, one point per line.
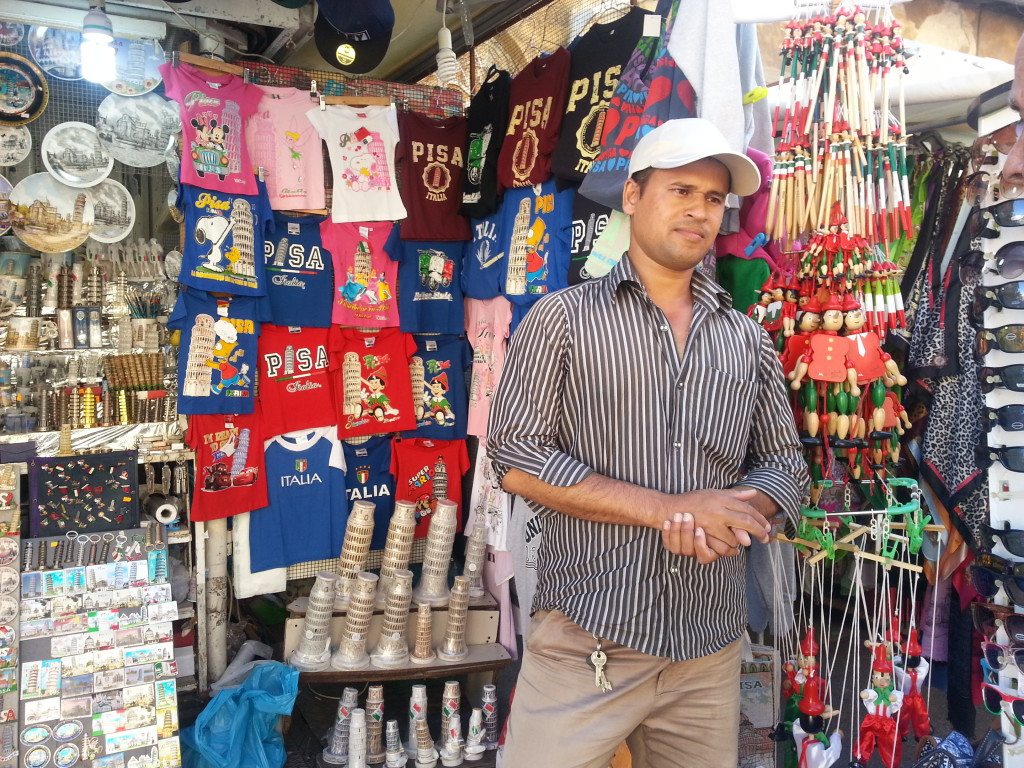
439 398
368 478
536 226
217 354
300 277
306 515
429 284
484 270
224 240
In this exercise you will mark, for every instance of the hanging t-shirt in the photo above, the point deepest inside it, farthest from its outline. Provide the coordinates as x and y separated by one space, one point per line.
489 505
438 372
300 277
588 222
369 478
429 285
286 145
295 379
364 294
306 515
224 240
371 379
597 61
537 223
535 118
487 121
432 158
217 351
361 144
428 470
230 474
214 109
487 328
484 267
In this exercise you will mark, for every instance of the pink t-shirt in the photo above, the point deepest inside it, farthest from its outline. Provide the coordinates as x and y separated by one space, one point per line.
287 146
365 293
487 324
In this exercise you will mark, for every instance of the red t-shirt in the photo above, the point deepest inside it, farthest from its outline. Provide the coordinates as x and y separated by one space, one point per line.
372 381
432 158
295 379
535 118
428 470
230 475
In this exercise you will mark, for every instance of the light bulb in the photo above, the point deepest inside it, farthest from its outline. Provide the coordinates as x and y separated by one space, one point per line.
96 26
98 61
447 63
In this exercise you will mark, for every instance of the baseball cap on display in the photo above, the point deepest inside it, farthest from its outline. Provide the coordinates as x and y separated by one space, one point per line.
354 35
686 140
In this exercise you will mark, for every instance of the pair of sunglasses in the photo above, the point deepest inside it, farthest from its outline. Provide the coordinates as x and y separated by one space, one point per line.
995 697
1008 377
1011 457
1000 656
987 222
1005 338
1000 297
1007 262
1009 417
979 185
987 579
1011 538
989 617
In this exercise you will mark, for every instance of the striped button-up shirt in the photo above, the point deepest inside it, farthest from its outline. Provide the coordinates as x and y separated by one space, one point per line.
593 383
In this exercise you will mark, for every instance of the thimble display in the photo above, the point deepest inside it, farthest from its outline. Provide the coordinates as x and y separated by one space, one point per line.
397 547
314 651
336 752
357 740
393 646
354 550
426 755
433 586
423 652
475 736
450 700
490 709
476 553
417 708
451 751
394 753
351 653
375 754
453 647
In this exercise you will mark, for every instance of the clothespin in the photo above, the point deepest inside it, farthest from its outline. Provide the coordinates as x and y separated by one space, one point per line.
259 173
175 59
246 75
323 103
312 89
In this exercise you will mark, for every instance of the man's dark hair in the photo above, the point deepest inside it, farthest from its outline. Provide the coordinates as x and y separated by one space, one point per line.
641 177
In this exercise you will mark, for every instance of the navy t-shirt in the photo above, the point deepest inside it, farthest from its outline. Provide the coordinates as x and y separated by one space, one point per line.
429 285
536 226
217 355
438 371
484 269
368 478
300 277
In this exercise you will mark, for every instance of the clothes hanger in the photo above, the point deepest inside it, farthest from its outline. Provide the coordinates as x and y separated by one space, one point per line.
207 64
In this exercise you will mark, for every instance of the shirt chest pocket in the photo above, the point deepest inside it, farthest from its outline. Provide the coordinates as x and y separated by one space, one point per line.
720 410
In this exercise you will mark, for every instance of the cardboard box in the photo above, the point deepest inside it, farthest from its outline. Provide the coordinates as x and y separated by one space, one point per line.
760 681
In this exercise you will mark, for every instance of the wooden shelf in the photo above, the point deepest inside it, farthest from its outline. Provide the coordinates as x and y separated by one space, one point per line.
489 657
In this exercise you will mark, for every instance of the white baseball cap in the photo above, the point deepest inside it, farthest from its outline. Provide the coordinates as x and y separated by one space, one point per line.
686 140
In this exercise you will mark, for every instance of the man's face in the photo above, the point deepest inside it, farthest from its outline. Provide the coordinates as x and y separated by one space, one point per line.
1013 168
677 214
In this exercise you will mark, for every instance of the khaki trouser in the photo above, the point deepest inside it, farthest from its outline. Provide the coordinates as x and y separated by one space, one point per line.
671 714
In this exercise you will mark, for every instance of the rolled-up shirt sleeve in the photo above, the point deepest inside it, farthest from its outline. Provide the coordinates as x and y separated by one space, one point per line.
525 420
774 461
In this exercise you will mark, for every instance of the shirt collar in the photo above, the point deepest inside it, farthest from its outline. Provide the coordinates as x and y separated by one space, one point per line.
706 291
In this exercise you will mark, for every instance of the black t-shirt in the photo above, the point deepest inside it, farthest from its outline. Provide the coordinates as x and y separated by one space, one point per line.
488 119
588 222
597 61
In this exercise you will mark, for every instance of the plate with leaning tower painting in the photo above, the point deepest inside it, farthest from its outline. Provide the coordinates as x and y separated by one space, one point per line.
113 211
15 145
138 131
72 153
49 216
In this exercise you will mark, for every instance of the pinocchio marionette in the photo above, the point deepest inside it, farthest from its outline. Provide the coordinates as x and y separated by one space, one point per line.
813 747
797 679
882 701
914 712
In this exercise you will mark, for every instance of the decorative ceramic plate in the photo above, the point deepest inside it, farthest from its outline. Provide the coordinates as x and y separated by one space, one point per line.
11 34
58 51
23 90
8 580
35 734
72 153
8 609
5 207
66 756
9 547
52 218
113 212
138 131
15 144
37 757
136 63
68 730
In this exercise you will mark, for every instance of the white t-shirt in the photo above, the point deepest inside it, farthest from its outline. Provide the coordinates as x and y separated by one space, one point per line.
489 505
361 143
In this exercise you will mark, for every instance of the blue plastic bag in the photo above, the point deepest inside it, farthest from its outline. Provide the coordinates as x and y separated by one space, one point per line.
238 728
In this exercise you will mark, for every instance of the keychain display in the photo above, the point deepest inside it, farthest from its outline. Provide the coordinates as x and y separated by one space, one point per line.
83 493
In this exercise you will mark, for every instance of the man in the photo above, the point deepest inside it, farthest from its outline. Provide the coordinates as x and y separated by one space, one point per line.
648 423
1013 167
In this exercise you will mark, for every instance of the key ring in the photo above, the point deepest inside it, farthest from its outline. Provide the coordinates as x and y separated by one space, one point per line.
72 535
94 538
108 536
121 539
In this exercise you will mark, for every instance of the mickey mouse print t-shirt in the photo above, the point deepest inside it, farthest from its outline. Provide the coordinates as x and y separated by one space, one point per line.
361 143
214 110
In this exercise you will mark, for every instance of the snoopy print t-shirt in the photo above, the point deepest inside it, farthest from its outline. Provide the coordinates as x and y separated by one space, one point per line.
214 110
224 240
361 143
217 351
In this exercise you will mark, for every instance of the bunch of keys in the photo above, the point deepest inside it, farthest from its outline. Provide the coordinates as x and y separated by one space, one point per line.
598 659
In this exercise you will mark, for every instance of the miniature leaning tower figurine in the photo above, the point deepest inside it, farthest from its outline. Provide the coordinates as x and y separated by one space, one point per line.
357 740
395 756
417 708
451 752
426 755
475 735
354 551
433 586
423 652
453 647
314 651
476 554
393 646
351 653
397 547
336 751
375 753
